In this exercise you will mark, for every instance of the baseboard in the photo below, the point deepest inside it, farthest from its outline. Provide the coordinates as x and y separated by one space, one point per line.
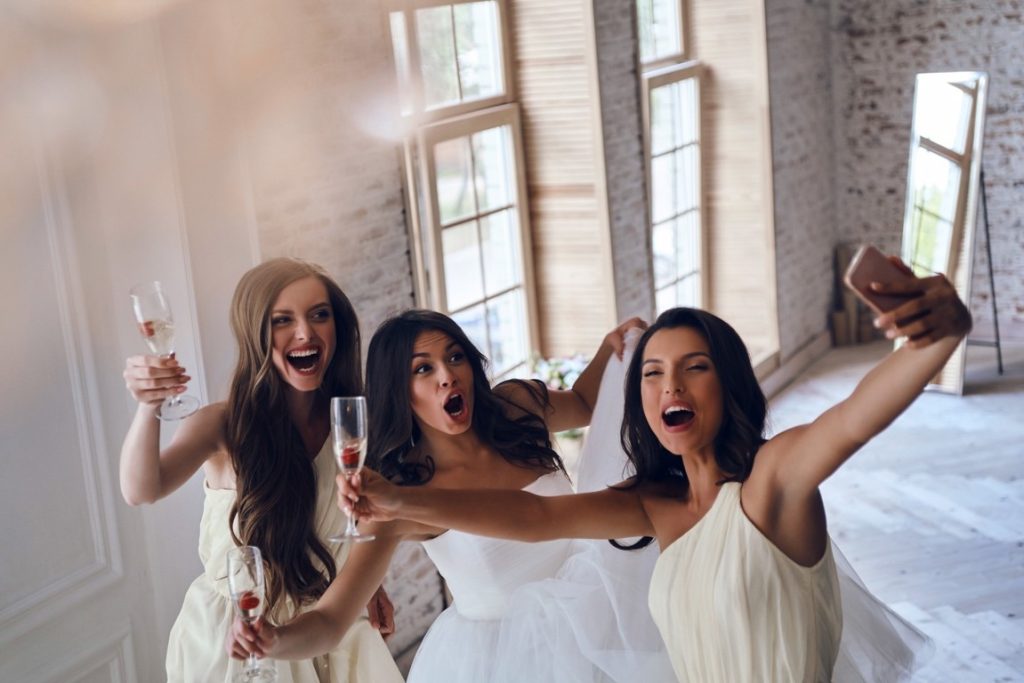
778 380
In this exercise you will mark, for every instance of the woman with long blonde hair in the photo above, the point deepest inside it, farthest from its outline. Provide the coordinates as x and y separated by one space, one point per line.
268 469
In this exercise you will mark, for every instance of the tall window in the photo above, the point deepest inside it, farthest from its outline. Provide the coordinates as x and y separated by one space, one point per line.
671 89
464 164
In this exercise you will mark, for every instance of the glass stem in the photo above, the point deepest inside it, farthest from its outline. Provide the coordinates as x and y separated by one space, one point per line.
350 527
171 400
252 664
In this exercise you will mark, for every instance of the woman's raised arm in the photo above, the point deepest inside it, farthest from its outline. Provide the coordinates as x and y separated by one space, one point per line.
572 408
146 473
934 323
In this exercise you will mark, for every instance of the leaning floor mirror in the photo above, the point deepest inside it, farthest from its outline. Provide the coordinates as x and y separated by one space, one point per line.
943 186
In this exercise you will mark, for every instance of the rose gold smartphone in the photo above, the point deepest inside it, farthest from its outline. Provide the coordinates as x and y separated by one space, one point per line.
870 265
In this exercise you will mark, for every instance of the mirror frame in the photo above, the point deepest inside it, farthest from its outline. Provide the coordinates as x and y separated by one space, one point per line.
960 261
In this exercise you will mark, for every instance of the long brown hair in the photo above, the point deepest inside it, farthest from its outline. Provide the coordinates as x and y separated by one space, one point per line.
275 503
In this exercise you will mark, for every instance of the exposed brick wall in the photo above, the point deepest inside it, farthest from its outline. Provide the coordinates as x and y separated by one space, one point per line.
800 88
622 131
878 47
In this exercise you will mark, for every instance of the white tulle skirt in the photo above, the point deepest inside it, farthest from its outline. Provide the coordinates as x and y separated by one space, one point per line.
877 644
588 624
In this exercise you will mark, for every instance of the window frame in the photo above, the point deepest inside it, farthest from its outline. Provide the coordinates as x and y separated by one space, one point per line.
429 237
684 42
414 78
651 80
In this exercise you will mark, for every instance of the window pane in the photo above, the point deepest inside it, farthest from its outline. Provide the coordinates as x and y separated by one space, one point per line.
506 320
663 187
686 93
454 191
666 28
665 299
688 243
686 179
665 119
664 250
479 49
471 321
949 111
400 44
500 235
935 194
688 292
660 29
495 169
463 280
437 56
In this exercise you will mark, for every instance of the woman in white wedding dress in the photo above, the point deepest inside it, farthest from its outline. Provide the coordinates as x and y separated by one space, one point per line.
560 611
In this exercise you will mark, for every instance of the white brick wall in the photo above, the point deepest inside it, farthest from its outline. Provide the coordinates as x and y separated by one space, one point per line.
615 37
878 47
799 75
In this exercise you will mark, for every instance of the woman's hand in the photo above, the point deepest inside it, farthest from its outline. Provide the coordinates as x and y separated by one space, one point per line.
151 379
616 339
369 496
258 638
381 613
935 312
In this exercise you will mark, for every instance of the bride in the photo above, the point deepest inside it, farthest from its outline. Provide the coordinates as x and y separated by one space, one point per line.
556 611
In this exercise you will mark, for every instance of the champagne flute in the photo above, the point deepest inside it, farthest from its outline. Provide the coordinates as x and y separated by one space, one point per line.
156 325
248 593
348 437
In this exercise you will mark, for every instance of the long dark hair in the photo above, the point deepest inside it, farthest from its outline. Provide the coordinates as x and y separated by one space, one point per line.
522 440
275 503
744 407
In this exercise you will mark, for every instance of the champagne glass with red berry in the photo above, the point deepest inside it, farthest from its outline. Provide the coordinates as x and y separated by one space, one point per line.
248 593
156 325
348 436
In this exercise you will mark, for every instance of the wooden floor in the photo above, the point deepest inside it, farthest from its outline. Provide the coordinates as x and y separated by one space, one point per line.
931 512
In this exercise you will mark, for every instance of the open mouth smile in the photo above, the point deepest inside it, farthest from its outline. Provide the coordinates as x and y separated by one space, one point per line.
455 405
678 416
305 360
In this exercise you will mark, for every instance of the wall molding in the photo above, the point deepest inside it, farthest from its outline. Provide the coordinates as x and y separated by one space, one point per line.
113 654
106 567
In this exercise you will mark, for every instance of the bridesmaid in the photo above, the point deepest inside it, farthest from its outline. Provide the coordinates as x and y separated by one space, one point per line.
268 469
746 587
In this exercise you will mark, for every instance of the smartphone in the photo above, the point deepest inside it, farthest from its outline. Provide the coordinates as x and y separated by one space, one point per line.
870 265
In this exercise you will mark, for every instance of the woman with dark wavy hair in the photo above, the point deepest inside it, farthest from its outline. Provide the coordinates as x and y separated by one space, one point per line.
545 613
746 587
268 468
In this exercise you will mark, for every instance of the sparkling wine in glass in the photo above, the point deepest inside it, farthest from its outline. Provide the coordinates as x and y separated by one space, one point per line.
348 437
156 325
248 593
